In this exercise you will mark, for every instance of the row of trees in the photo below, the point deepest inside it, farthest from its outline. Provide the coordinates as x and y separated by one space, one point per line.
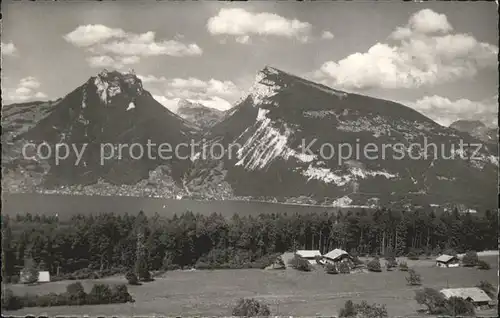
75 295
107 241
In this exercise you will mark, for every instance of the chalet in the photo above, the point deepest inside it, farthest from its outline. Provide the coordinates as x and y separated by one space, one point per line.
447 261
25 277
473 294
43 277
337 255
309 255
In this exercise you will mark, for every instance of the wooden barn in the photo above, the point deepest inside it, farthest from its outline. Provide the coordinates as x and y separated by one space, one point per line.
447 261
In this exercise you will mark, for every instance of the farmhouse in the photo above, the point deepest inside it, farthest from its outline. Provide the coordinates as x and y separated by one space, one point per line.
309 255
473 294
43 277
337 255
447 261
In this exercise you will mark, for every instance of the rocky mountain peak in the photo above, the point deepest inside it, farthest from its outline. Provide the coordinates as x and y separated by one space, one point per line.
111 86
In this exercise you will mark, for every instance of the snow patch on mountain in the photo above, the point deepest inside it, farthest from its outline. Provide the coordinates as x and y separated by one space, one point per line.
261 115
263 87
131 105
320 113
266 144
362 173
327 176
102 89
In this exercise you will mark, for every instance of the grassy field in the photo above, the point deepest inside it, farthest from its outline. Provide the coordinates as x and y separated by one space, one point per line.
288 292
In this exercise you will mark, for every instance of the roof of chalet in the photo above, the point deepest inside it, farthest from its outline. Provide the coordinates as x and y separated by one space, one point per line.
308 253
336 253
445 258
474 293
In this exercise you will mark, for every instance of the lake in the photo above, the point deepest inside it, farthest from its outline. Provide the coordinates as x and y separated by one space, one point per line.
67 205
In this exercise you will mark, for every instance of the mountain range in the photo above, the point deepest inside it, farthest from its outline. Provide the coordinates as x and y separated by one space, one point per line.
200 115
271 124
477 129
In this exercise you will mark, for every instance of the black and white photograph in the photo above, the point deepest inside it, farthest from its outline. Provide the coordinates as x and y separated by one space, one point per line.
243 159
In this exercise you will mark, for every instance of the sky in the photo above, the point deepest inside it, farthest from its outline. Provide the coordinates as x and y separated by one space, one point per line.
437 57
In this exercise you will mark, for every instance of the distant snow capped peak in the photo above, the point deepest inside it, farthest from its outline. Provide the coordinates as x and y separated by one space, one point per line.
202 116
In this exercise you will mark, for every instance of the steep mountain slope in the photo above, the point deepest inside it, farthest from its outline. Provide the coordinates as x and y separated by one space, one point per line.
282 113
477 129
202 116
108 111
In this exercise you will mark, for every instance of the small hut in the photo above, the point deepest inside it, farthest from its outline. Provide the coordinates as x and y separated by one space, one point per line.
309 255
447 261
337 255
43 277
473 294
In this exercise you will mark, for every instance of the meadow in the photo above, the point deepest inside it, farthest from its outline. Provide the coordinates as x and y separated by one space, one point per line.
288 292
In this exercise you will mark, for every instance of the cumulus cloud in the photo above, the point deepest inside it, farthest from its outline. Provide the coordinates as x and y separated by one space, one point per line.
88 35
212 93
114 47
26 90
240 23
424 53
327 35
9 49
29 82
102 61
445 111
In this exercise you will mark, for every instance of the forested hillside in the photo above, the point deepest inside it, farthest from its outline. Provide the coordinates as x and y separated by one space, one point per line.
109 241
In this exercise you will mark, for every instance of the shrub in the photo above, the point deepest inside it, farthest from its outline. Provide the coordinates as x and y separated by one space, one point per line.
371 311
470 259
436 251
202 265
250 308
457 306
413 278
374 265
100 294
483 265
487 287
413 256
348 310
391 263
300 264
450 251
76 293
280 262
318 260
263 262
29 274
331 268
432 299
52 299
343 268
119 294
403 266
132 278
142 271
11 301
357 261
363 310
